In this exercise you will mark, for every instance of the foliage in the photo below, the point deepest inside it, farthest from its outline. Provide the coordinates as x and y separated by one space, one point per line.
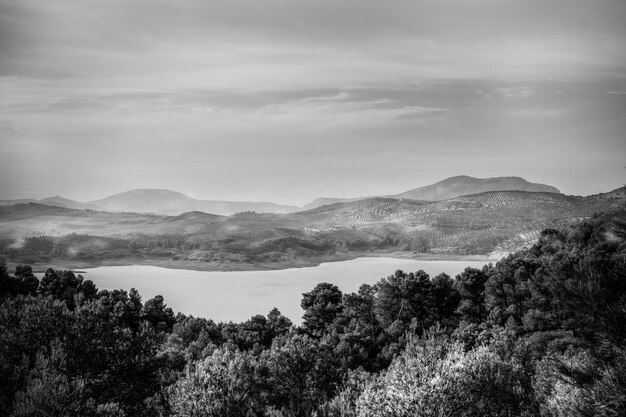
576 383
298 373
541 332
50 392
83 346
321 306
222 385
433 377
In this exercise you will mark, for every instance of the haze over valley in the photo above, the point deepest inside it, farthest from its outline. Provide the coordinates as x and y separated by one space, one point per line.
173 203
459 216
288 133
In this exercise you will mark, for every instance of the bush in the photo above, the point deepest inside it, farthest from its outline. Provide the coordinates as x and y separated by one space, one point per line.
434 377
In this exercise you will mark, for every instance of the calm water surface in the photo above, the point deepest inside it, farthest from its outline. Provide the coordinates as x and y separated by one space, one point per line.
237 296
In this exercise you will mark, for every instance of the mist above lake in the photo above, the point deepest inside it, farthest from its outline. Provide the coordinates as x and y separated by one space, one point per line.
237 296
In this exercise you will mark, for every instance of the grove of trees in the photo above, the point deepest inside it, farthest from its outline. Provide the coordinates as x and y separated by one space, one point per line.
540 333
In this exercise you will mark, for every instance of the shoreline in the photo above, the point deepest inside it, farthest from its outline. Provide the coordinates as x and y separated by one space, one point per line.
77 266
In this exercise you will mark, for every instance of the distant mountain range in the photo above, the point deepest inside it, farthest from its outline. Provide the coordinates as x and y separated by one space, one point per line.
487 223
53 201
174 203
452 187
167 202
164 202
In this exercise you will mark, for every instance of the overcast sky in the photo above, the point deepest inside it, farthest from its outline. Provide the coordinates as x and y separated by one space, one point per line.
289 100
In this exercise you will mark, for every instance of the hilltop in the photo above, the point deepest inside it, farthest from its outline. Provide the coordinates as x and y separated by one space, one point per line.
156 201
174 203
464 185
453 187
57 201
485 224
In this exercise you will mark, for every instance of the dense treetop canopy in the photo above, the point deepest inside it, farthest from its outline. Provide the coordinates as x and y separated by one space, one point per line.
541 332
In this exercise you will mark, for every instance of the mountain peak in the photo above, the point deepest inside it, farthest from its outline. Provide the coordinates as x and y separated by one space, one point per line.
463 185
454 187
149 192
172 203
59 201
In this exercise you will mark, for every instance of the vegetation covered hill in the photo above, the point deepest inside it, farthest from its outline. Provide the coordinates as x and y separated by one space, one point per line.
463 184
163 202
453 187
540 333
53 201
481 224
166 202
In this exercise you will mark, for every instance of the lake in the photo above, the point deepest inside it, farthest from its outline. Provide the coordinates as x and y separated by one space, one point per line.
239 295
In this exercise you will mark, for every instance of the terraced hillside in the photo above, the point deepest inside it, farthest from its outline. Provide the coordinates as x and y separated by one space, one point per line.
490 222
451 188
474 224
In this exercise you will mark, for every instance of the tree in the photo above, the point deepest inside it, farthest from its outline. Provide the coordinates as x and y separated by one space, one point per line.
29 284
508 289
26 325
5 278
298 373
222 385
445 300
576 383
321 307
277 324
156 312
359 331
62 285
50 392
405 298
471 287
434 377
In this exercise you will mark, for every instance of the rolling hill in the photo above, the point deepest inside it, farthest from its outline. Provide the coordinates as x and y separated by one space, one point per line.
168 202
453 187
65 202
53 201
163 202
488 223
464 185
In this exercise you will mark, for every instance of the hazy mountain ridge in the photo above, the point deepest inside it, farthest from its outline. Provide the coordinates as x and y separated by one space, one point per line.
174 203
53 201
162 202
127 228
324 201
466 185
168 202
452 187
478 224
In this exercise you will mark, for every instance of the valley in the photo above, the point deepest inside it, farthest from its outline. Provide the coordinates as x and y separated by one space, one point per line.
487 224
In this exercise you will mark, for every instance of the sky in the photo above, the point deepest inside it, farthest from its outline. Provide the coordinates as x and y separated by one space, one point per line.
290 100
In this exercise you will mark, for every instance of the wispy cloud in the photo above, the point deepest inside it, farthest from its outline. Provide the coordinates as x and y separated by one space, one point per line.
284 89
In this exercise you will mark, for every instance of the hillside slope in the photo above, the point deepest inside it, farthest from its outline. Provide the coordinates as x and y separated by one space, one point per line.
450 188
463 185
487 223
67 203
53 201
167 202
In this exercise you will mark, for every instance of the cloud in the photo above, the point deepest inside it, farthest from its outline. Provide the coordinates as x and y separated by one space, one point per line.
297 42
538 113
516 92
287 88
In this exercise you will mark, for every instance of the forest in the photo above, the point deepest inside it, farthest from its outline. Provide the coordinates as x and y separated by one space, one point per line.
542 332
